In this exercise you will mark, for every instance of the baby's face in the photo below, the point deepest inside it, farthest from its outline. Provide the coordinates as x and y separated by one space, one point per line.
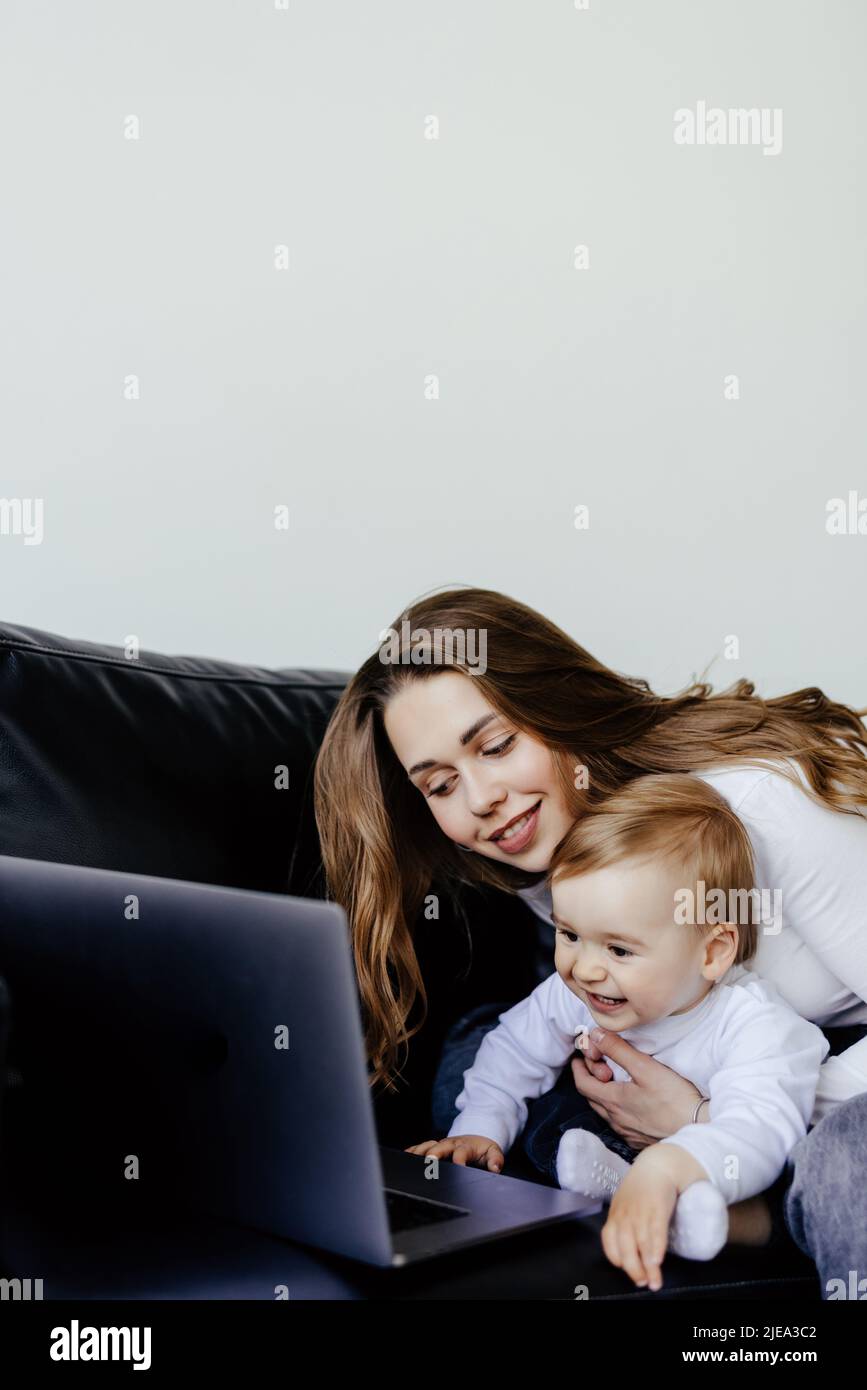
616 936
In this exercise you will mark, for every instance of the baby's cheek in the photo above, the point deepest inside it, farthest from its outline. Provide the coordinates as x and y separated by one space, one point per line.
654 995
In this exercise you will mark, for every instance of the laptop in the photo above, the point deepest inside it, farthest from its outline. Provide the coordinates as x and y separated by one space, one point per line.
203 1044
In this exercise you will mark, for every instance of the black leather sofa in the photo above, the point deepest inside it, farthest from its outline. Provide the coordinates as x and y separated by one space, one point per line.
165 765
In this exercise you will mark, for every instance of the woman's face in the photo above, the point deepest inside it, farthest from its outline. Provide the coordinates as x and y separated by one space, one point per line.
479 774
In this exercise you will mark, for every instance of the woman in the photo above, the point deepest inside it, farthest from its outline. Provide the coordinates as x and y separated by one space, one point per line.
440 768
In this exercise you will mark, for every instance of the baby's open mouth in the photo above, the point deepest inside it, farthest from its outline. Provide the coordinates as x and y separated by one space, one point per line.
606 998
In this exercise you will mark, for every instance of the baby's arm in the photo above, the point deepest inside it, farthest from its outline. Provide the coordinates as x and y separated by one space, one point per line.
761 1098
518 1060
667 1164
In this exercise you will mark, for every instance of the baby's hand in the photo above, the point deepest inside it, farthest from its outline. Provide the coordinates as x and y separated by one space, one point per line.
463 1148
635 1236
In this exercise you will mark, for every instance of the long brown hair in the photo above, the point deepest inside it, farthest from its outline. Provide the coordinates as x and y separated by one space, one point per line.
382 848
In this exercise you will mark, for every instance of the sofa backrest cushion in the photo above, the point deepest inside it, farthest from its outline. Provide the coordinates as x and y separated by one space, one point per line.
166 765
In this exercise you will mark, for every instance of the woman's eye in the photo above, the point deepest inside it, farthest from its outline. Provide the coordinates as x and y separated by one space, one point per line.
500 747
443 789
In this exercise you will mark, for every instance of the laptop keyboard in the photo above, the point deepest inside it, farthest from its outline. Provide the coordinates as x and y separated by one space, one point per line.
407 1213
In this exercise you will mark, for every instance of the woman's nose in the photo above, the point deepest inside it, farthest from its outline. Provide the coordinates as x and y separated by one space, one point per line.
482 797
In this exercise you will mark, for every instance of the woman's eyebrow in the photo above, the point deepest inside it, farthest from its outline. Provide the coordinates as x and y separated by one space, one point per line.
464 739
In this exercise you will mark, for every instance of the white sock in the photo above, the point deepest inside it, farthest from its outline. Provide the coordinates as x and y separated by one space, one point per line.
700 1224
585 1165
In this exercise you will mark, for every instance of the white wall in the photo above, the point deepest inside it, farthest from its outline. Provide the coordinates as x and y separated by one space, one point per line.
409 256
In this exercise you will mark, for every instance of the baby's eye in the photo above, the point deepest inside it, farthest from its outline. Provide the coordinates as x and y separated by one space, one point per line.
621 951
570 936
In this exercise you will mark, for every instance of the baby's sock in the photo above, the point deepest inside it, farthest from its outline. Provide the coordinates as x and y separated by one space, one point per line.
585 1165
700 1224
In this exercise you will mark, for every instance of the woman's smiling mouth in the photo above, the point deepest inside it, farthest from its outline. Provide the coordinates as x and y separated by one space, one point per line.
517 833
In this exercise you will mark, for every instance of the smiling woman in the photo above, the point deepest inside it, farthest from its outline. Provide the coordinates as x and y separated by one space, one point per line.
491 787
450 776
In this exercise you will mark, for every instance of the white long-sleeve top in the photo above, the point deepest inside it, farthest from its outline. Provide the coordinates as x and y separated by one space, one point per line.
742 1045
817 858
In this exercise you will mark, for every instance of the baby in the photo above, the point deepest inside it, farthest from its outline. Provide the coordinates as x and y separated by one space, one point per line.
631 956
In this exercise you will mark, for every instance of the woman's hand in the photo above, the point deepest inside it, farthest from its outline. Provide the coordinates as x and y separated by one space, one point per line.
653 1105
